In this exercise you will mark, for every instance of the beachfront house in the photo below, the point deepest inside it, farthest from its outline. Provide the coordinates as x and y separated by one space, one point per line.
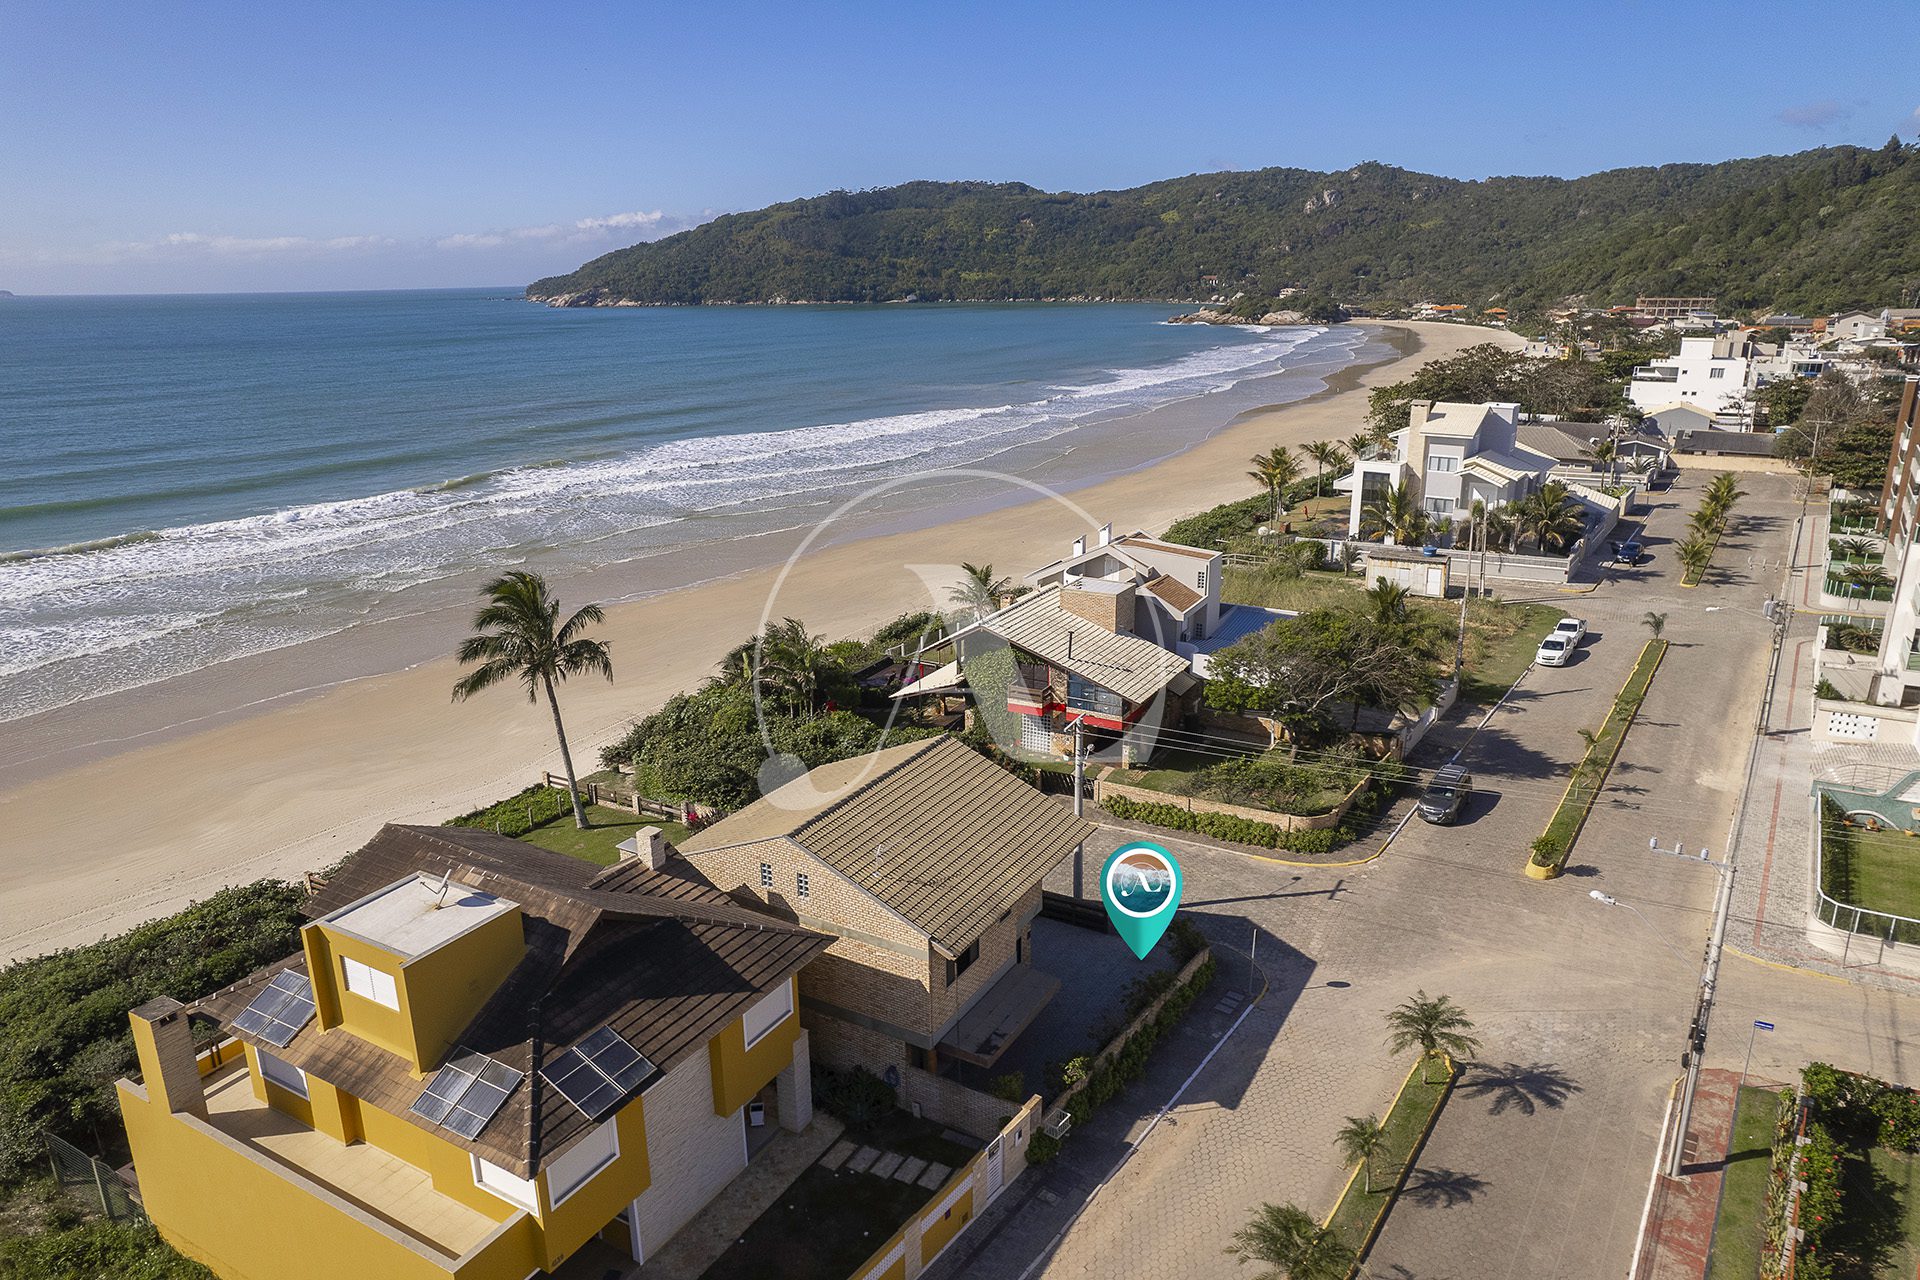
484 1058
924 862
1570 446
1177 587
1450 456
1711 372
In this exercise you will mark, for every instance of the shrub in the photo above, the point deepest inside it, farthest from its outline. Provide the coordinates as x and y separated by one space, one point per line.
517 814
857 1098
1227 826
1825 688
72 1248
1144 990
64 1036
1185 940
1011 1087
1042 1147
1548 850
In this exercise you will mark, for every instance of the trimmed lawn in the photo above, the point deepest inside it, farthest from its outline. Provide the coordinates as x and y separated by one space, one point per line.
1315 590
1878 1235
1359 1210
1886 872
1501 640
1738 1233
822 1227
605 829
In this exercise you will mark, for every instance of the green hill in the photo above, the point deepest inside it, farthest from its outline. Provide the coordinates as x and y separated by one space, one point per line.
1814 231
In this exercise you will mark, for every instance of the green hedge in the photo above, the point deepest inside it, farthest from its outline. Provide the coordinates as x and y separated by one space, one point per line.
1226 826
517 814
1104 1079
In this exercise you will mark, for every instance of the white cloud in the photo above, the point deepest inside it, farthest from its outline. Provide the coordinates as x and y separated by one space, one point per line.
1814 115
616 227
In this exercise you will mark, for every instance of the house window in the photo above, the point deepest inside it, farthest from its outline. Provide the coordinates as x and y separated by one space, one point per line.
1203 578
369 983
1440 506
516 1191
768 1013
1441 462
962 962
577 1165
766 875
802 885
280 1072
1716 373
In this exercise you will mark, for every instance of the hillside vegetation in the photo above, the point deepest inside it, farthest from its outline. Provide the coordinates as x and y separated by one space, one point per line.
1813 231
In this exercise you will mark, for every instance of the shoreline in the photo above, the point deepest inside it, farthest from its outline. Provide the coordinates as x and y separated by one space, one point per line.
294 780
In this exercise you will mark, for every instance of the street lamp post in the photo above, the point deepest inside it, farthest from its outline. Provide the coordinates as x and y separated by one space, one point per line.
1696 1046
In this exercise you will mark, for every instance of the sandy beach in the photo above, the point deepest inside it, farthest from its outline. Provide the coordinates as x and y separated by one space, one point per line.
130 833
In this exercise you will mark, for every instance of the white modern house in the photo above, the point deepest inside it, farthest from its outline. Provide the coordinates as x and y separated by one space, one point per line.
1711 372
1451 455
1174 590
1856 326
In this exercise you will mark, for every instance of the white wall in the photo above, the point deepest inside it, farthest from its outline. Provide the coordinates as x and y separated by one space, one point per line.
691 1152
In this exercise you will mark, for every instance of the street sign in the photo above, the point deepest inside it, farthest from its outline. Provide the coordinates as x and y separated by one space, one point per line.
1762 1026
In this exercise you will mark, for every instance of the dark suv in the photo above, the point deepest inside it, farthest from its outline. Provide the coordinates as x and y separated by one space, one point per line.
1445 796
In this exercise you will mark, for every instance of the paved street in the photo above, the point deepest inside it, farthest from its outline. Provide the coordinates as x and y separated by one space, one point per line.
1539 1167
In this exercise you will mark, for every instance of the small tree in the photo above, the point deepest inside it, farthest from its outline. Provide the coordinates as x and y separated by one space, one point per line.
1327 456
1363 1138
979 592
1654 622
1432 1024
1290 1245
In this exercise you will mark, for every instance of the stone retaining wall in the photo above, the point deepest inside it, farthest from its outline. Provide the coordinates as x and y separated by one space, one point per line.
1104 787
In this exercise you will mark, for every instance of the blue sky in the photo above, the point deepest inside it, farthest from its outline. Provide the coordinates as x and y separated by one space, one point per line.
208 146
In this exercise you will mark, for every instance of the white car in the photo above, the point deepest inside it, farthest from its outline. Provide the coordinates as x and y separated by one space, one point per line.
1572 630
1554 651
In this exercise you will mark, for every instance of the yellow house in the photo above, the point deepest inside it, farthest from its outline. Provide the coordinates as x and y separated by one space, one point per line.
484 1056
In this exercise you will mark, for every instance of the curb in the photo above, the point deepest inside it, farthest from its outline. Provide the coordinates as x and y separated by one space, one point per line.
1406 1168
1537 872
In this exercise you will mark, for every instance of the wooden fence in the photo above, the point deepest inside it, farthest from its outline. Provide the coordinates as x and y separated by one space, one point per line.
613 797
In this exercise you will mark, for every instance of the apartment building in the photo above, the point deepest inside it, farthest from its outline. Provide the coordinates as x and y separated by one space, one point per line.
924 863
483 1057
1711 372
1897 673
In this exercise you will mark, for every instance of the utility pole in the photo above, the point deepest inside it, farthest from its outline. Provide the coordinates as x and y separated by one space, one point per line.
1696 1048
1079 802
1806 492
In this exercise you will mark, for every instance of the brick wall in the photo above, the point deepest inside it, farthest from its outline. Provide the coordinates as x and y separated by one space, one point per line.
691 1152
953 1104
1110 611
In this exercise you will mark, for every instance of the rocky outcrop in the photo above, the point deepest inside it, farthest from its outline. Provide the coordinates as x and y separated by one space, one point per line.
584 298
1207 315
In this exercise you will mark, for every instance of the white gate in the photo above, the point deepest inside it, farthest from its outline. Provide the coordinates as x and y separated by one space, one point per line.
994 1172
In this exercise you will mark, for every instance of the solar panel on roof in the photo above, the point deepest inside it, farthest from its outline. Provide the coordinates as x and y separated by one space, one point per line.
466 1093
277 1013
598 1072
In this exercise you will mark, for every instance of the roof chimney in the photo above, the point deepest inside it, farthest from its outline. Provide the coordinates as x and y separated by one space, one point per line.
168 1064
1106 533
1080 545
649 845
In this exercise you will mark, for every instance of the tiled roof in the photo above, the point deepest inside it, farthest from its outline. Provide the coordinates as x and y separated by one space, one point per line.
934 830
1177 594
1129 665
664 958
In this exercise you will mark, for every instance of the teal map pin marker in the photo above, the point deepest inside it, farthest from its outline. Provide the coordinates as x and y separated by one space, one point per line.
1140 884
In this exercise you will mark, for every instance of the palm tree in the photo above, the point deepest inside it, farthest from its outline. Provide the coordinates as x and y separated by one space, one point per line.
1291 1246
1694 553
790 663
1359 443
1654 622
1434 1025
1275 470
1327 456
1395 514
1605 453
1386 603
979 592
1363 1138
1551 516
519 633
1857 548
1382 435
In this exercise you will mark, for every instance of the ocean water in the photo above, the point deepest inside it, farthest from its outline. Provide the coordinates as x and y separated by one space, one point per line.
189 479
